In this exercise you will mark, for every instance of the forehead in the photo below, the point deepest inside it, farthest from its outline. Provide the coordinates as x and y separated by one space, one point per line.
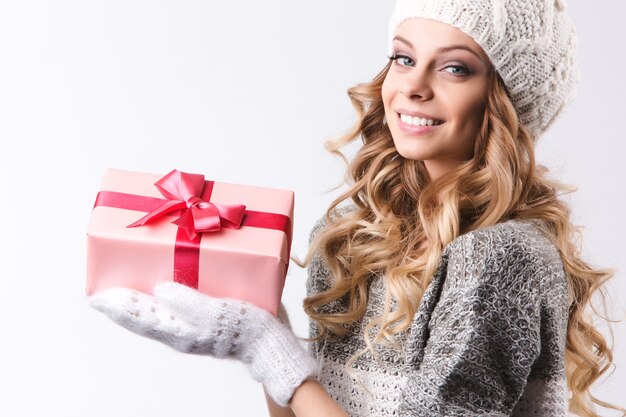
427 34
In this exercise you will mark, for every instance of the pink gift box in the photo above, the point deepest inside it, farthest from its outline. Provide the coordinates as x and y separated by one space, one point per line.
205 249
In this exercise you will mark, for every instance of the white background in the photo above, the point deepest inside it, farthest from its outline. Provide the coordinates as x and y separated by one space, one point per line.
241 91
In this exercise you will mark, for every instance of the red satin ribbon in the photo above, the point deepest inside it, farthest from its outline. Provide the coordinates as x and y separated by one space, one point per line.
184 193
187 246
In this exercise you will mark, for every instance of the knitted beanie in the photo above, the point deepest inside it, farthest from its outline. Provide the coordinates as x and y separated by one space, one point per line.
531 44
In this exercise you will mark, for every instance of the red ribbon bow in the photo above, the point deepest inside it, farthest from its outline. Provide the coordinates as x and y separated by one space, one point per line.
184 191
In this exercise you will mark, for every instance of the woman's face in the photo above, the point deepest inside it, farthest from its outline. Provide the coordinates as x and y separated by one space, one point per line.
433 78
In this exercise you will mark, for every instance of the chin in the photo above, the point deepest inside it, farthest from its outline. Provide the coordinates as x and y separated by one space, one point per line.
412 152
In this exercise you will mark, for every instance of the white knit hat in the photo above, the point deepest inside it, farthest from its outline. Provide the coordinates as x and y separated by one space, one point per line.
531 43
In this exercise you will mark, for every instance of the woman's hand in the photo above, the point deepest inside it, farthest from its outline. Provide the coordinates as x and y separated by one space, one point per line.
192 322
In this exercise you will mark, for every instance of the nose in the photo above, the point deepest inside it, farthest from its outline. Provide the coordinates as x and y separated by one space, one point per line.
416 84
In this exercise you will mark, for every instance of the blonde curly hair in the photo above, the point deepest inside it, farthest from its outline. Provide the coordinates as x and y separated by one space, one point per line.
403 220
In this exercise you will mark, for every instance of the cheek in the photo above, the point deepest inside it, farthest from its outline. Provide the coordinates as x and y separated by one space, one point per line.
470 113
390 88
385 93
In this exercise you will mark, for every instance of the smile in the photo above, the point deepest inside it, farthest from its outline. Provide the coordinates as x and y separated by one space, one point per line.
419 121
416 129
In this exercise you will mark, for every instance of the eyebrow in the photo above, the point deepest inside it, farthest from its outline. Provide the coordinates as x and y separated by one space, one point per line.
444 48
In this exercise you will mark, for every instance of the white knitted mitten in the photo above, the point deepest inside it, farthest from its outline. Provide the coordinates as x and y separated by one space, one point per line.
191 322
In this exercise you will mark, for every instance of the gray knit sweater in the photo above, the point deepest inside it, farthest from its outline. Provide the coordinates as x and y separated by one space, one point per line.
488 338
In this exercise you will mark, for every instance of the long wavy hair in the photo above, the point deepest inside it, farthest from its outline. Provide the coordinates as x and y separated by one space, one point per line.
403 220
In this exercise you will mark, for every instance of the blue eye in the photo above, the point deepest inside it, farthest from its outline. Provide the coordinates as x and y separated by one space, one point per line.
406 61
465 71
396 57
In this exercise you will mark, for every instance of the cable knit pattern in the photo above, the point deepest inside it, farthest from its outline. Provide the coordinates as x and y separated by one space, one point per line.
488 338
531 43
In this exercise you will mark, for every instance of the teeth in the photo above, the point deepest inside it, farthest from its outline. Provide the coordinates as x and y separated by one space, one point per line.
418 121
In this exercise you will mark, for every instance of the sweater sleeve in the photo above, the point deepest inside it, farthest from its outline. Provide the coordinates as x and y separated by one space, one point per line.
318 280
483 334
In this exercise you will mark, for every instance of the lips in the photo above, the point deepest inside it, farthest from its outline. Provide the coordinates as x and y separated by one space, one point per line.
418 114
412 129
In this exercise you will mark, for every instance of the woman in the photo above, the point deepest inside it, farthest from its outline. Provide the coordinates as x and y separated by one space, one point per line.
448 284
